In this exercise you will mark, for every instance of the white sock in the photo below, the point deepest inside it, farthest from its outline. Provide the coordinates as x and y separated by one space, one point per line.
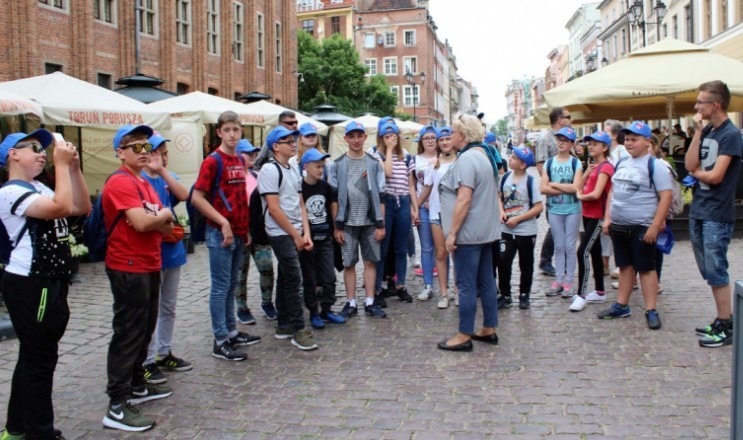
368 301
232 334
352 302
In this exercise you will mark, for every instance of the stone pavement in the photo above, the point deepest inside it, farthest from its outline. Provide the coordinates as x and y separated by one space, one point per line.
554 374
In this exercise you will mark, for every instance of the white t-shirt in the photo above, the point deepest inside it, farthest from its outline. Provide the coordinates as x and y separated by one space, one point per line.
289 194
433 177
420 166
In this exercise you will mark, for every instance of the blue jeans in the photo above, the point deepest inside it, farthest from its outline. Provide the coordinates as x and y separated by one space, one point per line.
473 264
710 241
397 219
224 264
426 238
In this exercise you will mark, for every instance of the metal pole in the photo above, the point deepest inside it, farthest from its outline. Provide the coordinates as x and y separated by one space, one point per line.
137 24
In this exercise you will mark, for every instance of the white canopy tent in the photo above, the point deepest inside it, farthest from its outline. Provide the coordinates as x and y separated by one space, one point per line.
12 104
408 131
270 112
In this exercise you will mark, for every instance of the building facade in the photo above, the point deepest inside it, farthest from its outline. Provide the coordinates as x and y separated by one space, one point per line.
325 18
583 21
223 47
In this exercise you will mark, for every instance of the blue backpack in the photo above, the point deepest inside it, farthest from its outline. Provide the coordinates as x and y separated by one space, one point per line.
6 244
95 234
197 220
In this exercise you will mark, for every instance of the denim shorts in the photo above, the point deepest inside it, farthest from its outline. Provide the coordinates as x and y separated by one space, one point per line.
435 221
709 241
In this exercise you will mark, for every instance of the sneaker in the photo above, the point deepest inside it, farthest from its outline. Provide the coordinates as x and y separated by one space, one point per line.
615 284
228 352
426 293
375 311
419 272
578 304
303 340
721 334
452 294
284 333
709 329
615 273
126 417
172 363
547 269
504 301
567 290
443 302
333 318
153 375
555 289
6 435
349 310
524 301
456 300
244 339
415 260
380 301
270 311
660 289
615 311
653 319
244 316
403 294
148 392
596 296
317 322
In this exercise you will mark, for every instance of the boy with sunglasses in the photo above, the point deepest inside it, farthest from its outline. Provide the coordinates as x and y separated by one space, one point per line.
520 203
136 222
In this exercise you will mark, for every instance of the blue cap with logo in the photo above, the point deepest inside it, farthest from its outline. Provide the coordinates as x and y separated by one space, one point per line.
443 132
568 133
244 146
426 129
125 130
600 136
313 155
526 155
639 128
11 140
156 140
388 128
355 126
277 133
307 129
490 137
385 120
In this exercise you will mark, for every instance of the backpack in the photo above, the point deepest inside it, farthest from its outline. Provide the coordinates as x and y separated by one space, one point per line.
573 164
6 244
677 198
95 234
197 220
258 213
529 181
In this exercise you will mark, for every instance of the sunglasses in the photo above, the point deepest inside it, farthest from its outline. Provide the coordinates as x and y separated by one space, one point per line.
567 116
38 149
290 122
138 147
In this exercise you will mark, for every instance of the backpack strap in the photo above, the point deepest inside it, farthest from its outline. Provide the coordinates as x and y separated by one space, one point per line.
529 181
651 170
281 180
548 166
574 164
31 190
502 185
120 215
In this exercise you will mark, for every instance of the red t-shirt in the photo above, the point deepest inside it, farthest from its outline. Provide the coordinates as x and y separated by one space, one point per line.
595 208
233 186
129 250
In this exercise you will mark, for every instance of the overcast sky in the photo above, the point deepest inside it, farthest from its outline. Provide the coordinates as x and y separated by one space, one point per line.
496 41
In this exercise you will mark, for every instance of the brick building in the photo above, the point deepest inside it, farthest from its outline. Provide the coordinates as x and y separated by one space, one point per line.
224 47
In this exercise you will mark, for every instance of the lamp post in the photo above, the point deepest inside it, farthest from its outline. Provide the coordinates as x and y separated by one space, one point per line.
637 17
410 78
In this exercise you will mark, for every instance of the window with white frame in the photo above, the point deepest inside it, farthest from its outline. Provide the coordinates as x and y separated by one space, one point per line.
57 4
238 32
410 64
369 41
148 17
389 38
371 66
261 41
308 26
390 65
396 91
103 10
409 39
212 26
277 29
411 95
183 22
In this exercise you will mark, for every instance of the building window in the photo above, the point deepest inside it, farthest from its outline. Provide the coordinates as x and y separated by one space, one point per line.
708 18
410 64
212 26
103 10
183 21
390 66
724 14
675 25
59 4
104 80
261 41
181 88
389 39
369 41
51 68
665 31
148 17
411 95
624 41
410 38
238 39
371 66
396 91
614 48
308 26
689 19
335 25
277 28
212 91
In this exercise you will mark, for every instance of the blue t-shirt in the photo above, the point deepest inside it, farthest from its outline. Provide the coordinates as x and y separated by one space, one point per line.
173 254
562 172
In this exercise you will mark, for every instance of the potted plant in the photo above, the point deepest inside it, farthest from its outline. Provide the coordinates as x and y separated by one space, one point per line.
187 242
78 251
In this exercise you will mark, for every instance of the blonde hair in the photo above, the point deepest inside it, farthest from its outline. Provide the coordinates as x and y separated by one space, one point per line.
469 126
302 148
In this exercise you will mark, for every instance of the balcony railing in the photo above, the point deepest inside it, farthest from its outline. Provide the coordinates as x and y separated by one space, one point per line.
309 5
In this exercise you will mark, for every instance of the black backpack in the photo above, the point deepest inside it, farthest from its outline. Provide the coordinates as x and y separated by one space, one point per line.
258 213
529 180
6 244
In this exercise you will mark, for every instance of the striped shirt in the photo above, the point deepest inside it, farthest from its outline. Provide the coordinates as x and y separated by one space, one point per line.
398 185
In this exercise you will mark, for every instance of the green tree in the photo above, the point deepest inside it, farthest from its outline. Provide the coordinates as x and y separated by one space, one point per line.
500 128
333 74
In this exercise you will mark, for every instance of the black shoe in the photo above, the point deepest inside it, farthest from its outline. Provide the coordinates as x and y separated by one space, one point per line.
464 346
228 352
153 375
349 310
490 339
403 294
547 269
722 334
504 301
375 311
244 339
653 319
380 300
524 301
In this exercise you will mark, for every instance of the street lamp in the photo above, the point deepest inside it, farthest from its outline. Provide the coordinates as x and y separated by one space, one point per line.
637 12
410 78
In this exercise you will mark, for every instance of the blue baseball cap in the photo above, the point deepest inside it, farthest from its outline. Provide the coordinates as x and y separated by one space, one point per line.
312 155
244 146
568 133
124 130
600 136
156 140
388 128
490 137
443 132
277 133
689 181
427 129
526 155
639 128
355 126
11 140
385 120
307 129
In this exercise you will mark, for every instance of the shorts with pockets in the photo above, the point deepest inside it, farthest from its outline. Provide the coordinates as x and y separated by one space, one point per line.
355 236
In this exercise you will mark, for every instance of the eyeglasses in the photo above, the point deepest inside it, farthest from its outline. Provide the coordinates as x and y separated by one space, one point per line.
567 116
138 147
294 122
700 102
33 145
428 139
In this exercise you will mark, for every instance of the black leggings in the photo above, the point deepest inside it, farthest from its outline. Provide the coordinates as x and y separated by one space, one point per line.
590 244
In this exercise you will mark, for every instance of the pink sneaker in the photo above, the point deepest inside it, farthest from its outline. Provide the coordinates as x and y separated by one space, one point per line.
567 290
419 272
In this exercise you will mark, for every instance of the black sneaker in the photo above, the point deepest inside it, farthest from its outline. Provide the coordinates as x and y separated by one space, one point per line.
524 301
504 301
375 311
126 417
709 329
403 294
349 310
653 319
244 339
245 316
228 352
153 375
722 334
172 363
270 311
380 300
547 269
148 392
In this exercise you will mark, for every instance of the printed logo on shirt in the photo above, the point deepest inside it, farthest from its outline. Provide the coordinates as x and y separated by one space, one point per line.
316 212
626 183
709 151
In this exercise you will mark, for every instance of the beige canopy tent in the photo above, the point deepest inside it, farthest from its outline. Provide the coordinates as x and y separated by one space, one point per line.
655 82
408 130
270 112
12 104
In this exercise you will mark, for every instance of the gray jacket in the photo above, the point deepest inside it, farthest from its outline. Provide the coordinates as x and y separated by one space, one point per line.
338 179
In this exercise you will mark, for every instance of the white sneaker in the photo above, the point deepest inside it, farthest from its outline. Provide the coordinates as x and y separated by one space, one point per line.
452 294
456 299
596 297
578 304
416 261
443 302
615 273
615 284
426 293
